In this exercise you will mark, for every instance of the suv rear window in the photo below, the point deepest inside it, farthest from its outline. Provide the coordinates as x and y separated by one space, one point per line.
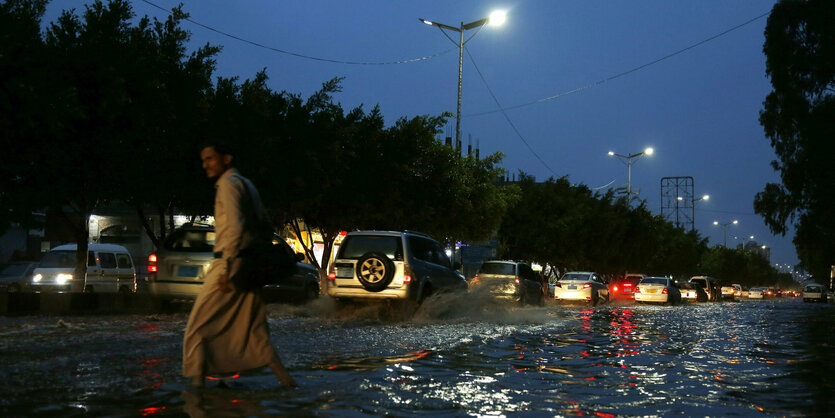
355 246
655 281
191 241
497 268
701 282
577 277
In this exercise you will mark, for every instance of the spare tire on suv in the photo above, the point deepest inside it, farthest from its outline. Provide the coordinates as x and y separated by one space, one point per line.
375 271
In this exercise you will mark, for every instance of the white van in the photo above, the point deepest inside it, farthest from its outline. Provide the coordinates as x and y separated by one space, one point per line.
109 269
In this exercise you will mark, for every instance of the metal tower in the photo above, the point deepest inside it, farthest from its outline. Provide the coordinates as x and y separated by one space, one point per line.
678 201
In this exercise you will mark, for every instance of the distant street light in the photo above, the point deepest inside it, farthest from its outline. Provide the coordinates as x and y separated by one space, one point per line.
496 18
628 158
725 230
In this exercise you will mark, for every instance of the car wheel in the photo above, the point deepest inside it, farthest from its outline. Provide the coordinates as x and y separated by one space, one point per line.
375 271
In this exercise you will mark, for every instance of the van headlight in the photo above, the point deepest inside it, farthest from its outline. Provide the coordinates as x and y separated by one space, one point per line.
36 278
63 278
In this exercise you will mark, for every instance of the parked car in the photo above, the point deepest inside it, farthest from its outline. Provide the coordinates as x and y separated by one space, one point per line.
692 292
814 292
512 280
109 270
624 287
710 285
657 290
16 276
583 286
178 268
756 293
731 292
392 265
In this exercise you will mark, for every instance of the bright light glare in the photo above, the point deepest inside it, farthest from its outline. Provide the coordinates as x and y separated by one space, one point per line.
63 278
649 151
706 197
497 18
611 153
735 222
37 277
680 198
426 21
716 222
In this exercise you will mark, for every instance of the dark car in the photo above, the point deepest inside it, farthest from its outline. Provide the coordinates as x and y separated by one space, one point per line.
16 276
511 280
624 287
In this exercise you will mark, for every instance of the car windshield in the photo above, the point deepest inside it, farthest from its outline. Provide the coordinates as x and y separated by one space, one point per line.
813 289
356 246
14 270
191 241
497 268
576 277
700 282
54 259
654 281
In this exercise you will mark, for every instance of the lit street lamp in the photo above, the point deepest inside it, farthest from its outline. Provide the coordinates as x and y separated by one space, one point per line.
496 18
725 230
628 158
692 208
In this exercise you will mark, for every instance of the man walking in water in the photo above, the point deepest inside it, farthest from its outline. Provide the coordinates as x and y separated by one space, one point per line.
227 328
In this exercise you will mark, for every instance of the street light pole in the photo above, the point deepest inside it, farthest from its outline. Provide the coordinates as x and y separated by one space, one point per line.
725 230
628 158
496 18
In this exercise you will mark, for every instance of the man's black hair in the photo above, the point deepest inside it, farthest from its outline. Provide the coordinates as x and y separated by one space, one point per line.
222 147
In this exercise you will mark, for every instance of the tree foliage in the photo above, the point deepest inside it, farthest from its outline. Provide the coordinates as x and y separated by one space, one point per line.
797 117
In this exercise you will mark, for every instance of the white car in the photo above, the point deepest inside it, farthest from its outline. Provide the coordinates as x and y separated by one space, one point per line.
657 290
755 293
581 286
814 292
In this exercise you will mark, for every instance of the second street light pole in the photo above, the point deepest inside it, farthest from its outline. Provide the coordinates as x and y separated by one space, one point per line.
496 18
628 158
725 230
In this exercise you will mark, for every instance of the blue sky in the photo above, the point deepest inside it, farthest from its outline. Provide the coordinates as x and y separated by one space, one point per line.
698 109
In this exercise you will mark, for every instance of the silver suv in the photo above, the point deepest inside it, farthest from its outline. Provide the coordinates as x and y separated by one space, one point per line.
511 280
392 265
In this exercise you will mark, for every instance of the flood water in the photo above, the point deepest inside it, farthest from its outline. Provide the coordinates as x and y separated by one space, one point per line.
457 356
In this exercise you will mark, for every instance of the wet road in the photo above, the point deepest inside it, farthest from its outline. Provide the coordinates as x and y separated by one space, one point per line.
457 356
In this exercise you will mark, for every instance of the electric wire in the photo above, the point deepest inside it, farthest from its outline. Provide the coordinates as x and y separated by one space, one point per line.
624 73
510 122
259 45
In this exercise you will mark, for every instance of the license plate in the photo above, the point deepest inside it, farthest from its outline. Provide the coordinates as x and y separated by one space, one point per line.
650 290
572 287
344 272
187 271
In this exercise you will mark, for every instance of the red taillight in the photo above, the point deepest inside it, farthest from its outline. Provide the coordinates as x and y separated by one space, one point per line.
475 279
665 291
407 279
637 290
332 275
615 289
586 285
516 280
152 263
627 285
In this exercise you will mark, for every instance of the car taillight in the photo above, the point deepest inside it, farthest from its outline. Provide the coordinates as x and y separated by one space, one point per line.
586 285
627 285
516 280
665 291
615 289
152 264
332 275
637 290
407 279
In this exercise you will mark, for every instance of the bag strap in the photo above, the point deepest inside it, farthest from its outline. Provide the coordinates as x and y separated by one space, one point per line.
263 225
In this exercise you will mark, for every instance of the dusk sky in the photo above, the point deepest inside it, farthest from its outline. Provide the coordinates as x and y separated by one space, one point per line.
694 96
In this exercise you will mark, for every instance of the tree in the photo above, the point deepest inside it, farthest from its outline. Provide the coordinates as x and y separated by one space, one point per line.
797 117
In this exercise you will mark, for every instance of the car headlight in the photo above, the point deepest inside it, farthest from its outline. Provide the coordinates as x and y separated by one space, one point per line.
63 278
36 278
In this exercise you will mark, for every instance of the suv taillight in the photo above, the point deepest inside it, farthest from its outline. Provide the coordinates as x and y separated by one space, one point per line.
665 291
586 285
152 265
516 280
332 275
